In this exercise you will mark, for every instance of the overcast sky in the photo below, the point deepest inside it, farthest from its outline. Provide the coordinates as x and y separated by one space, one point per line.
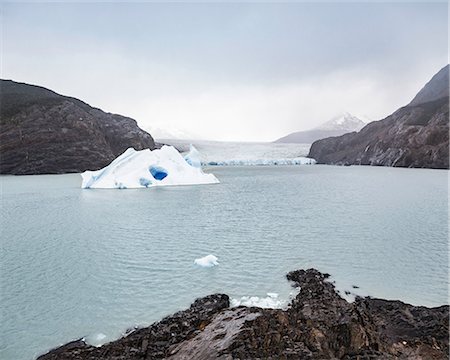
228 71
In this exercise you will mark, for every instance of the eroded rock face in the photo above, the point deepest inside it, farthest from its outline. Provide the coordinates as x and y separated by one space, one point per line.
42 132
416 135
318 324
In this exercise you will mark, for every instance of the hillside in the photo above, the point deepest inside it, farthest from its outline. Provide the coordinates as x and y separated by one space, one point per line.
42 132
416 135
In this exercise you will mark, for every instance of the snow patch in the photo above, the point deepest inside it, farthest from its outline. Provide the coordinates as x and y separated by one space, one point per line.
146 168
207 261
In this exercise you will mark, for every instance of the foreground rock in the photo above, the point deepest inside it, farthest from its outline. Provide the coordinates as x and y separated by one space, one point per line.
416 135
42 132
319 324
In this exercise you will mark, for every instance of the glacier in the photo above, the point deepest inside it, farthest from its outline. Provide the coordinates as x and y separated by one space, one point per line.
216 153
149 168
262 162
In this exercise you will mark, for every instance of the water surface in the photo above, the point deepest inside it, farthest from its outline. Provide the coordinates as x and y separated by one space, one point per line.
80 263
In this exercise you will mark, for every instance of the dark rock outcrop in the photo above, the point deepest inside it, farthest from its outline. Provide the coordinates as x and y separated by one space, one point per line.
154 341
42 132
416 135
318 324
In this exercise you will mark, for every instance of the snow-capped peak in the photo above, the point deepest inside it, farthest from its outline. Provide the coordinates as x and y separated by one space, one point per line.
344 121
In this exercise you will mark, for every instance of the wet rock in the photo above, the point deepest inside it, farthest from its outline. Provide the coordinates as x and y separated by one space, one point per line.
216 337
318 324
152 342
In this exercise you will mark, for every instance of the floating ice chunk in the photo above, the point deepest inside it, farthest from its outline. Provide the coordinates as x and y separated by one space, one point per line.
207 261
269 302
193 157
96 339
145 168
100 336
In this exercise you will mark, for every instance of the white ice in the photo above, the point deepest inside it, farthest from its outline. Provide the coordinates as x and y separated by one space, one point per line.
247 154
97 339
193 157
262 162
270 302
207 261
146 168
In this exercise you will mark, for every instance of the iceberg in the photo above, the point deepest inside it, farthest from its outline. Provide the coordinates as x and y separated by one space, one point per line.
193 157
149 168
207 261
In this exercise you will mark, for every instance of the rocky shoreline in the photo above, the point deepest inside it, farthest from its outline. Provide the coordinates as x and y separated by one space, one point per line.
318 324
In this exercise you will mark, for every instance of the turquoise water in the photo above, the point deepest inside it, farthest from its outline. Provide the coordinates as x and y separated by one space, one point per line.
93 263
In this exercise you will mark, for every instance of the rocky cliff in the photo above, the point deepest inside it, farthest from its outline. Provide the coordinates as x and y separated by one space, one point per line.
319 324
416 135
42 132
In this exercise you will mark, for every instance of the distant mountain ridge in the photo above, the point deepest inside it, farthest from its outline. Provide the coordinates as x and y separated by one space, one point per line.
340 124
344 121
42 132
416 135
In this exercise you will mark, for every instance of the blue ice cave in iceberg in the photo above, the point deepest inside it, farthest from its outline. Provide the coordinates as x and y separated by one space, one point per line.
146 168
158 172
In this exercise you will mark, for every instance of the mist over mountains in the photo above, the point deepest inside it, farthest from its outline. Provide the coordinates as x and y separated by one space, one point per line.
44 132
340 124
416 135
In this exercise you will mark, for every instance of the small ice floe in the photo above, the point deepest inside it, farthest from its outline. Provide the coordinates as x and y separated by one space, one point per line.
270 302
207 261
96 339
348 295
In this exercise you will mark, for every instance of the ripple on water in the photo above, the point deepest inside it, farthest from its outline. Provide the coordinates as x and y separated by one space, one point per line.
93 263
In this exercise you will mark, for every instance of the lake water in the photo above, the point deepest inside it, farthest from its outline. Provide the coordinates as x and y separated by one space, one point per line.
92 263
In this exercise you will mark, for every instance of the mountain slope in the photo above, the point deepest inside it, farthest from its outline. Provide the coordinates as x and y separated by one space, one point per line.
414 136
339 125
42 132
